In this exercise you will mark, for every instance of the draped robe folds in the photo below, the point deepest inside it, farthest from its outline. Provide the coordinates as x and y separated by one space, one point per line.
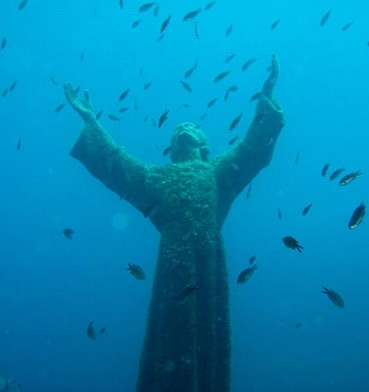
187 345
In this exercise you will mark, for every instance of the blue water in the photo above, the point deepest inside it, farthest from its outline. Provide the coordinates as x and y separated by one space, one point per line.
52 287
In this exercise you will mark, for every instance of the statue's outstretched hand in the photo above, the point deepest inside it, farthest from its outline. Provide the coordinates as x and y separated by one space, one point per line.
81 105
272 78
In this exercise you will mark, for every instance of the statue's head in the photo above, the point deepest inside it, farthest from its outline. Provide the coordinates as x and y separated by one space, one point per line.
188 144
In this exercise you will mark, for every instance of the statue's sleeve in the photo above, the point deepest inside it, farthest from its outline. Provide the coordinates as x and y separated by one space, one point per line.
120 172
237 167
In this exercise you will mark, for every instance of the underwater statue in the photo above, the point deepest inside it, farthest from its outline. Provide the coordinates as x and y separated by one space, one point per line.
187 346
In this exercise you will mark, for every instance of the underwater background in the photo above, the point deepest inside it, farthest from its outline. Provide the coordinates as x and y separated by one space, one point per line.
287 335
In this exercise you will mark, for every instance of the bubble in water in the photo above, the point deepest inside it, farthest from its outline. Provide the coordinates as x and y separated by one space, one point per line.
120 221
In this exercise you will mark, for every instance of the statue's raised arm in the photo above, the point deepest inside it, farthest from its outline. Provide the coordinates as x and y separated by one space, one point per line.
237 167
96 150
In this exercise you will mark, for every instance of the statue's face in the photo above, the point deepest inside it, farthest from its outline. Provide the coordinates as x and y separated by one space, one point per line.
188 143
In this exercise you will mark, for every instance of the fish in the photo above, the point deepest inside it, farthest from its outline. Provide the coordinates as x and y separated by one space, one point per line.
3 43
252 259
59 108
135 23
229 30
186 86
136 271
247 64
334 297
297 158
336 173
233 140
5 92
209 5
163 118
298 325
146 7
98 115
68 233
165 25
156 10
121 4
324 169
147 86
124 94
221 76
203 117
279 213
102 331
136 105
187 293
348 178
161 36
19 144
150 211
91 331
53 80
186 105
347 26
235 122
196 31
325 18
124 109
22 4
357 216
191 15
292 243
246 274
230 89
190 71
212 102
274 24
82 56
166 151
12 86
113 117
306 209
248 193
256 96
230 58
234 166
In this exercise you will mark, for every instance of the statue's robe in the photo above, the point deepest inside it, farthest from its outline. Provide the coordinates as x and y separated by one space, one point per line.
187 347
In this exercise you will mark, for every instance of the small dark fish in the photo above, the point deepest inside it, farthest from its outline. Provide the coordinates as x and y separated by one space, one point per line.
325 169
121 4
54 81
191 15
229 30
247 64
135 23
68 232
336 173
230 57
186 86
348 178
156 10
163 118
82 56
297 158
306 209
334 297
3 43
136 105
325 18
123 95
166 151
146 7
161 36
91 331
233 140
209 5
212 102
113 117
203 117
357 216
12 86
221 76
98 115
292 243
191 70
187 292
246 274
150 211
19 144
102 331
279 214
252 259
147 85
22 4
196 31
141 72
146 118
347 26
186 105
256 96
235 122
230 89
5 92
298 325
124 109
165 24
59 108
248 192
274 24
136 271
